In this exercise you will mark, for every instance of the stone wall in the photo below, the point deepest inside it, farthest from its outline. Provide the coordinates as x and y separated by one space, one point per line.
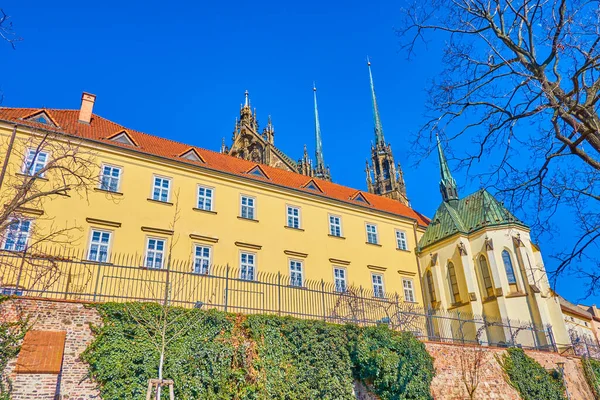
75 319
449 385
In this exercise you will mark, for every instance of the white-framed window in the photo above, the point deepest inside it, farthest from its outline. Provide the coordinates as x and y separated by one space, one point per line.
335 225
377 280
99 245
247 207
202 257
205 198
293 217
110 178
155 252
409 290
35 161
247 266
372 234
296 273
339 279
161 189
401 241
17 234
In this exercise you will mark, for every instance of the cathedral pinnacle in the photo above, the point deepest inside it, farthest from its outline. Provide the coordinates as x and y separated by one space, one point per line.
447 182
379 140
319 144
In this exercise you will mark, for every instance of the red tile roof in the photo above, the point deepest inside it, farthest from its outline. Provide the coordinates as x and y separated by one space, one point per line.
101 129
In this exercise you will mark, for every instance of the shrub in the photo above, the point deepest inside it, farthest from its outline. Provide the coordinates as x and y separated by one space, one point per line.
591 369
11 338
530 379
393 364
228 356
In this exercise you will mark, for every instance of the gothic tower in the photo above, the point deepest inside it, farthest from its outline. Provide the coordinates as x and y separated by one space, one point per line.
447 182
249 144
382 176
305 165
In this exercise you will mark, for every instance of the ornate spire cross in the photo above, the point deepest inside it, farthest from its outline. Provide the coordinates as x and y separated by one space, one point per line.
319 144
379 140
447 182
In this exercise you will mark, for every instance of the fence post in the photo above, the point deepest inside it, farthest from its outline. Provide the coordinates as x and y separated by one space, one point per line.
226 286
279 292
21 269
323 299
364 309
398 314
97 281
534 334
551 338
512 342
429 318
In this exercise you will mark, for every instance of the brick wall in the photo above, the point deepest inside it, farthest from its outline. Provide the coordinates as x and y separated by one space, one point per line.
449 385
75 319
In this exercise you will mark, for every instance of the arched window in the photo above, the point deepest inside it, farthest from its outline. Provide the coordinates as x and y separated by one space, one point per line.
453 283
430 287
485 276
508 266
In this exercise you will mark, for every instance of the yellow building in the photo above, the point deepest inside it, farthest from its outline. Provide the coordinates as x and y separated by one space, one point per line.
166 201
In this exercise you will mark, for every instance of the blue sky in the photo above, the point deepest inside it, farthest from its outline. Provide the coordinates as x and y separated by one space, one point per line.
180 69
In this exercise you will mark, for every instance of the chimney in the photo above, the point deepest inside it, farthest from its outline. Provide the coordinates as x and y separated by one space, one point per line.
87 105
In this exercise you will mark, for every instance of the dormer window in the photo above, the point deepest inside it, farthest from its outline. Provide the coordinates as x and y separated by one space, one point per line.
123 137
312 185
41 117
192 155
258 171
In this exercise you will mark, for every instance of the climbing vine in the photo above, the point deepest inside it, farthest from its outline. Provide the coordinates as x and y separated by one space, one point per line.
229 356
12 333
591 369
530 379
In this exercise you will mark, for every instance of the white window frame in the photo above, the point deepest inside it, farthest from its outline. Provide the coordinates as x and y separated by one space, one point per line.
298 273
34 161
343 279
205 197
247 206
161 188
110 177
401 240
148 250
291 217
99 244
199 259
378 287
409 292
28 235
333 225
372 237
245 265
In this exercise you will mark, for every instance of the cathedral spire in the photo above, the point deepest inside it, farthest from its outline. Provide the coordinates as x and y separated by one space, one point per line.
319 144
447 182
246 101
379 140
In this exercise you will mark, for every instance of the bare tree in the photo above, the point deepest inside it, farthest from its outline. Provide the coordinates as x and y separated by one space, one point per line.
7 32
53 167
519 90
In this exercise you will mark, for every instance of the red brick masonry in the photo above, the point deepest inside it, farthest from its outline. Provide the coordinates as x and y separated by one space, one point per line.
75 318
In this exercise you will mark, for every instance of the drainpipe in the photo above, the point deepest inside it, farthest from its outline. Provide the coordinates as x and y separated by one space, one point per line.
8 153
419 264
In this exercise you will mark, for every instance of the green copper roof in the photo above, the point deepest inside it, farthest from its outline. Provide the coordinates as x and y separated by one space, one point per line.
476 211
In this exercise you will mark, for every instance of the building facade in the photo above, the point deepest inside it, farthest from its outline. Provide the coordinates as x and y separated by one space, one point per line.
478 259
245 207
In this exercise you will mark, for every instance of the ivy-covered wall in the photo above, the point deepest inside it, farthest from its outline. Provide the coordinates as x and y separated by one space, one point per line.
214 355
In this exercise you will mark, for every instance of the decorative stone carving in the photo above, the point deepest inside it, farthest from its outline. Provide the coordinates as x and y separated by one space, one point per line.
462 249
489 244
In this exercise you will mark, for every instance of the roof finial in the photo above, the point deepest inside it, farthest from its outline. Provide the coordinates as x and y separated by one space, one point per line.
447 182
246 101
319 144
378 128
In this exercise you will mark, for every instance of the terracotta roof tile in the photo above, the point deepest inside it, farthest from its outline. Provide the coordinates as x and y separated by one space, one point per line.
101 129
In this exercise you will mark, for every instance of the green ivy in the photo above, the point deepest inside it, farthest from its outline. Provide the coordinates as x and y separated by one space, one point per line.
11 337
394 364
229 356
530 379
591 369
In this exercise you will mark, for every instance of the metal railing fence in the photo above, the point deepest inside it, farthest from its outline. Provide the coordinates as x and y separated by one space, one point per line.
66 274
